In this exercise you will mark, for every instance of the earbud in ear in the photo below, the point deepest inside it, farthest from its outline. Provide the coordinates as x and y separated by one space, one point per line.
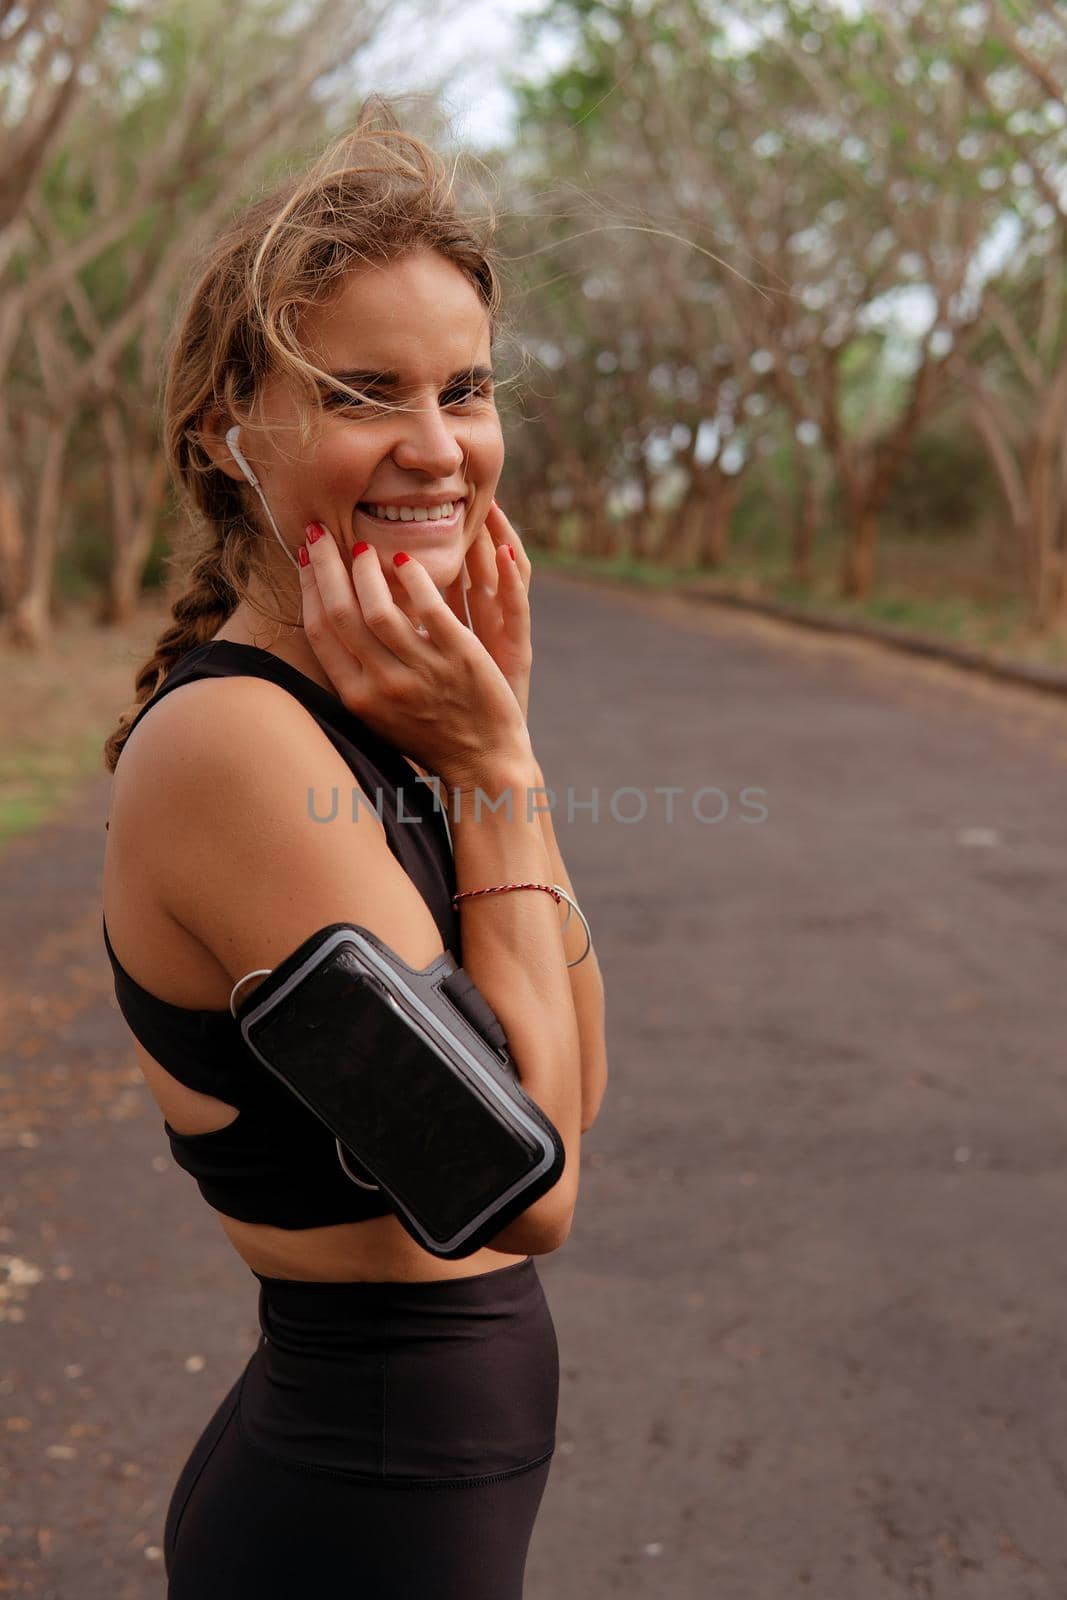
232 436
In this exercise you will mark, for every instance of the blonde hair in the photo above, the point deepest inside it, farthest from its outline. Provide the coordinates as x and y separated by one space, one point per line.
373 196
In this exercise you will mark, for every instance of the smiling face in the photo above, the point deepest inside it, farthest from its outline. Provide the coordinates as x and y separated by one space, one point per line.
414 335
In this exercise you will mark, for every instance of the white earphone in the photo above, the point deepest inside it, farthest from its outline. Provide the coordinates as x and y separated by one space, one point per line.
232 437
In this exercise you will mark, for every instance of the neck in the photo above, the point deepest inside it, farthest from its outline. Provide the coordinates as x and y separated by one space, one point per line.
288 642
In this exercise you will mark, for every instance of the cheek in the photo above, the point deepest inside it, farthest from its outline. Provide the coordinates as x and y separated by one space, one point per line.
315 483
487 447
340 466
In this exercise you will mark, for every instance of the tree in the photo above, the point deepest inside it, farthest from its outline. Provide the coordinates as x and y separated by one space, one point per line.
850 185
172 129
1016 375
35 100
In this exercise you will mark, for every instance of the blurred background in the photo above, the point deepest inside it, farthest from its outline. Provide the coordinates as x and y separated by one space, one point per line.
784 381
786 295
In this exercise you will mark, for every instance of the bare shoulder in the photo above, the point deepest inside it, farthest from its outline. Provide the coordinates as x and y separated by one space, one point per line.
224 794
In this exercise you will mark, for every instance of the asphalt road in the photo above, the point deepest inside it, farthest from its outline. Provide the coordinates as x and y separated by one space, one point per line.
811 1312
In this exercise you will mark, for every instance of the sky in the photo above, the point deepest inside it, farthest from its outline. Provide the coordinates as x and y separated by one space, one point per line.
482 39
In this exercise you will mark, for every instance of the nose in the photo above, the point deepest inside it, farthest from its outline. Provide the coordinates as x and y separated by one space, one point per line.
428 441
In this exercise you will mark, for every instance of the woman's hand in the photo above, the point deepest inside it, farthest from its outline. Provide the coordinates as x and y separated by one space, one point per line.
504 634
415 674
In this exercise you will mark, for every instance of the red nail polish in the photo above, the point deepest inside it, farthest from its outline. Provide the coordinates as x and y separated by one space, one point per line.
359 547
400 557
511 551
303 556
313 531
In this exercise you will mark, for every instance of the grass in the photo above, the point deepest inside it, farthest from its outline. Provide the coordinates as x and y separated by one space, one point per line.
58 708
36 771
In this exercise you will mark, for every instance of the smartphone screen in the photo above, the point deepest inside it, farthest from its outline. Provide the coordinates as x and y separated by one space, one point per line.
392 1099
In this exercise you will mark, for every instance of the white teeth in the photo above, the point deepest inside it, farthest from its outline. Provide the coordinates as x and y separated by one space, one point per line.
414 513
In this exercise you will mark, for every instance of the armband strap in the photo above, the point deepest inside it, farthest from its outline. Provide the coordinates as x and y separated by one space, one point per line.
469 999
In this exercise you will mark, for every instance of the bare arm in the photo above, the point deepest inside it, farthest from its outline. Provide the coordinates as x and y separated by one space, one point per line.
513 950
586 981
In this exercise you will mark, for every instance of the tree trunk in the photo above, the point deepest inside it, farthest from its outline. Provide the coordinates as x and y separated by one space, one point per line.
697 532
861 546
1010 478
11 545
1042 484
1042 565
681 532
123 593
645 526
715 533
596 536
806 514
30 614
1031 479
136 496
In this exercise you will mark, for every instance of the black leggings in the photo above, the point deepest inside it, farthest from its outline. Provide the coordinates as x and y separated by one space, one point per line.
386 1440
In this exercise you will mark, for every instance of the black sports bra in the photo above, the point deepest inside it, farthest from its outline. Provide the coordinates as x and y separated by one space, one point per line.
275 1162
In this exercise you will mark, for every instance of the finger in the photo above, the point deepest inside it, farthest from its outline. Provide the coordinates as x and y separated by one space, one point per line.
503 531
344 669
512 598
484 604
401 599
358 605
442 626
481 561
404 606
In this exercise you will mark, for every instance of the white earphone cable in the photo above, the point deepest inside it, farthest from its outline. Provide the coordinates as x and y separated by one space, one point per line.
231 440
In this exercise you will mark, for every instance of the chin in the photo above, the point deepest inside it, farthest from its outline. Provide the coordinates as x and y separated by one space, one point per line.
441 562
443 565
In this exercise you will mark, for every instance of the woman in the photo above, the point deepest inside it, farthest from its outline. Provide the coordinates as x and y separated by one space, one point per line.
393 1430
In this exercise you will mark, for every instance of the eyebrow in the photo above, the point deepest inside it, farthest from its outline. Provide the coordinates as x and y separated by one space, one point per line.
368 378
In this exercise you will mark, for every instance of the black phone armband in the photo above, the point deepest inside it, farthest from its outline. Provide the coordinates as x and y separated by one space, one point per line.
410 1071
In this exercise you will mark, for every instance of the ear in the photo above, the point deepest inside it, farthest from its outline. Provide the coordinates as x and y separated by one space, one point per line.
213 427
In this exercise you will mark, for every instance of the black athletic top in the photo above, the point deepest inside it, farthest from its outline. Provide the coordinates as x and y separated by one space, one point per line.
276 1162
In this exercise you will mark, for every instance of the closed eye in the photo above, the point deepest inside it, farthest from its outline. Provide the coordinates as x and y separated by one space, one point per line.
466 393
459 394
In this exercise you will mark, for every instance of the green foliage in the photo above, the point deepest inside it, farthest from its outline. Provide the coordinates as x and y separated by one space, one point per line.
945 486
